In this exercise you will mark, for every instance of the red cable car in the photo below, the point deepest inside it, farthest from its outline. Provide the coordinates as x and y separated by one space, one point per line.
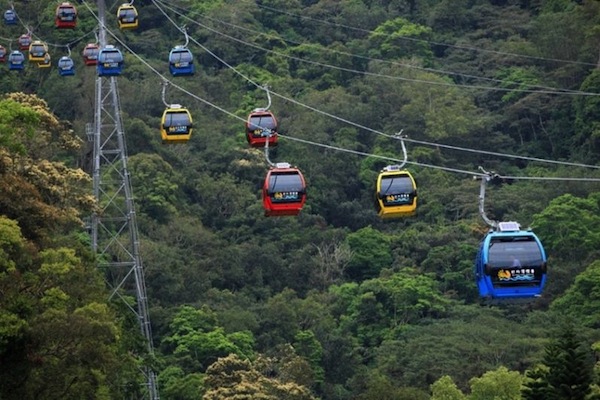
261 126
284 191
90 54
66 16
2 54
24 41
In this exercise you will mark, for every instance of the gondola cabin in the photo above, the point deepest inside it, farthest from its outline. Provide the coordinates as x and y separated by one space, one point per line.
2 54
181 62
38 51
66 16
261 126
110 61
510 264
24 41
16 61
10 17
46 63
176 124
66 66
395 193
90 54
127 16
284 191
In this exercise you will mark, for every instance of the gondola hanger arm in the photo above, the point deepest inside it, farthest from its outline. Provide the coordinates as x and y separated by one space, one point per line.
165 83
485 178
400 137
267 152
266 89
183 29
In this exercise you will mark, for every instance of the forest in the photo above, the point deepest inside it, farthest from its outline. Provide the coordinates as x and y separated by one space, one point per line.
335 303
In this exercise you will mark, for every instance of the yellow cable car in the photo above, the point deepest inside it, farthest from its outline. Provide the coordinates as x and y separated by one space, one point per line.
396 193
176 125
127 16
38 51
46 63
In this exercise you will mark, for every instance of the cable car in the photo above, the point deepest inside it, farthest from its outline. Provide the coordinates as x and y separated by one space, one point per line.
395 193
511 264
38 51
46 62
127 16
10 17
24 41
16 61
176 124
90 54
66 66
181 61
261 126
2 54
66 16
110 61
284 191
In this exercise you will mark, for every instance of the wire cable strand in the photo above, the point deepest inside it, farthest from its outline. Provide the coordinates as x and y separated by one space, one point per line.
367 128
544 89
469 48
221 109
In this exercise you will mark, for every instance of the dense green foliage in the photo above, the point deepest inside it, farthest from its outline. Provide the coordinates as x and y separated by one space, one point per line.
334 303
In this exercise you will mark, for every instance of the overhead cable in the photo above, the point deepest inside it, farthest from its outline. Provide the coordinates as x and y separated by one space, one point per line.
456 46
471 173
544 89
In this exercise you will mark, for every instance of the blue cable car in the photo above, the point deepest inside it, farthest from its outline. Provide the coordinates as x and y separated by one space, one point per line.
66 66
110 61
10 17
181 61
511 265
16 61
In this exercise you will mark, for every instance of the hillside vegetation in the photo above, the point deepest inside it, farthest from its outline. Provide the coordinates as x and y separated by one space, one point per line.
335 304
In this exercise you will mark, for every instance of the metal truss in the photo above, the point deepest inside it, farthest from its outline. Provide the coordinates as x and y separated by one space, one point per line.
113 224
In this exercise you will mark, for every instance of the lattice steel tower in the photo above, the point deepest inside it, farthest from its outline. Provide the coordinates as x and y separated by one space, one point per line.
113 226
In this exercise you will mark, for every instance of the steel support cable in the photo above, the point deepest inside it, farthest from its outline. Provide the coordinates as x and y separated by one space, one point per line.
548 90
69 44
448 169
456 170
372 130
542 89
469 48
493 153
383 134
369 129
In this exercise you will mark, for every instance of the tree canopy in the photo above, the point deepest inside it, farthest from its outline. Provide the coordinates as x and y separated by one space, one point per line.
335 303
